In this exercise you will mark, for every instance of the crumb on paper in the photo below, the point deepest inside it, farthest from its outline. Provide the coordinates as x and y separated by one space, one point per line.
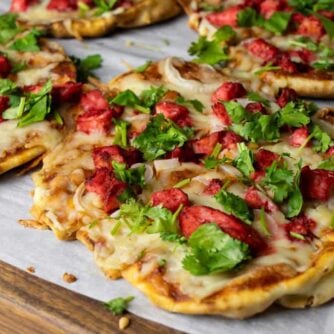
123 323
128 66
31 269
30 223
69 278
131 43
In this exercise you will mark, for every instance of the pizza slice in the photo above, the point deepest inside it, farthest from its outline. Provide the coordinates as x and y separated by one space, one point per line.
91 18
240 219
281 43
36 79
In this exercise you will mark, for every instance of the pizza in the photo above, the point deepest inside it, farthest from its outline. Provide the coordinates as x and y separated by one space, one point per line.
283 43
36 79
218 204
90 18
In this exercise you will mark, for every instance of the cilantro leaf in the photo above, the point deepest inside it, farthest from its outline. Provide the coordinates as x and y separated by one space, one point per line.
7 87
118 305
213 251
295 203
121 133
8 27
321 140
279 180
244 162
328 25
234 205
173 237
327 164
294 114
147 99
212 52
103 6
247 17
161 136
144 67
86 66
267 68
195 104
252 96
277 23
131 176
236 111
212 161
144 218
27 43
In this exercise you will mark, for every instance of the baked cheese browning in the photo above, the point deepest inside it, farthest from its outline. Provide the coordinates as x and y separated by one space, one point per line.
70 19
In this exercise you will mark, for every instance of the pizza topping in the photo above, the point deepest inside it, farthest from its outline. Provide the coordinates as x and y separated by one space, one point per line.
206 144
86 66
191 218
5 66
310 26
220 112
104 183
22 5
95 121
269 7
134 176
121 132
94 101
255 107
265 158
213 187
262 49
213 251
119 305
228 17
234 205
69 5
103 156
27 43
244 161
299 137
69 92
170 199
4 104
211 52
143 103
257 200
175 112
228 91
300 229
316 184
285 96
161 136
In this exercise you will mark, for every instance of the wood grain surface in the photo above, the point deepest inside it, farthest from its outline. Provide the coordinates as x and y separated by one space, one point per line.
30 305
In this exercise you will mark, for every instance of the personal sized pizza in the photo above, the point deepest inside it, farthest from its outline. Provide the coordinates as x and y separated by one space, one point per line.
75 187
284 43
207 196
36 79
91 18
246 225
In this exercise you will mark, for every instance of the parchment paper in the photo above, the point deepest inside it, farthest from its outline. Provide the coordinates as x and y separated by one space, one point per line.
23 247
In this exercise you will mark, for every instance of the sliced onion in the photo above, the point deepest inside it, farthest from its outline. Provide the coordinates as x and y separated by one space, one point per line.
53 218
149 173
160 165
175 78
230 170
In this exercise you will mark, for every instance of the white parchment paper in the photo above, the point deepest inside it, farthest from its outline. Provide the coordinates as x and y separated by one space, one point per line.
23 247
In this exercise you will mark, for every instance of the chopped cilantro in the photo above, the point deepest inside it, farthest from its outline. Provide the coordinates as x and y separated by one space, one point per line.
263 223
103 6
86 66
7 87
267 68
321 140
121 133
8 27
277 23
194 104
247 17
143 103
244 162
295 202
252 96
173 237
213 251
234 205
212 52
295 114
118 305
27 43
131 176
297 235
143 68
161 136
327 164
328 25
212 161
182 183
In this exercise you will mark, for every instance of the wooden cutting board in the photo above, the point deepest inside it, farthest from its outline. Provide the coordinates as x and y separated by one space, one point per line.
30 305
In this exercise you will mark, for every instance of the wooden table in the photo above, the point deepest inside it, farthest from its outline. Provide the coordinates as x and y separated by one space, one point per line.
30 305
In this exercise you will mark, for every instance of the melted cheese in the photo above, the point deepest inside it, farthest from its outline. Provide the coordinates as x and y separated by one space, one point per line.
37 134
34 75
